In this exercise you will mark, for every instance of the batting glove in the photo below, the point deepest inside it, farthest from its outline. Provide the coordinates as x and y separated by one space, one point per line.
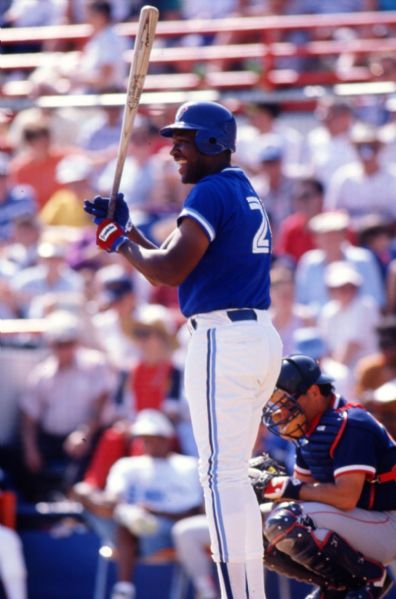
99 208
110 236
268 486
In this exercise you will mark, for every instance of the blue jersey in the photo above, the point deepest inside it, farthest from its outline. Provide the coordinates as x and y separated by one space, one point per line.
234 271
350 439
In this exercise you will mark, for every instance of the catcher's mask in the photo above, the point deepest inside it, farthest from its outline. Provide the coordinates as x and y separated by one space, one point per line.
283 415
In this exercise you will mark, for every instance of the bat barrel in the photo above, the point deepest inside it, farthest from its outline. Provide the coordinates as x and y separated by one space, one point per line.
148 18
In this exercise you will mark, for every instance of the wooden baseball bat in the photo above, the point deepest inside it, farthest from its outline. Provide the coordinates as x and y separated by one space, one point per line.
148 18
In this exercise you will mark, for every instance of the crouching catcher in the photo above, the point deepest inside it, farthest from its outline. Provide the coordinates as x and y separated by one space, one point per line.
333 523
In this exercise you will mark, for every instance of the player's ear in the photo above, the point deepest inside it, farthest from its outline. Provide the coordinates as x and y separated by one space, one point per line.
314 391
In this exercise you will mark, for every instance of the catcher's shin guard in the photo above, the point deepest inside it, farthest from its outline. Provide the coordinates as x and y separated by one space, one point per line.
282 564
292 532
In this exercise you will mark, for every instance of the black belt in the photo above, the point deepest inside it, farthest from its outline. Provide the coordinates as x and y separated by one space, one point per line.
234 316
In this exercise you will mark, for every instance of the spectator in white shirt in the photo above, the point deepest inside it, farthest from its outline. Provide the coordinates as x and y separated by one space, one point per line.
348 321
328 144
365 186
145 495
330 231
62 408
50 275
100 64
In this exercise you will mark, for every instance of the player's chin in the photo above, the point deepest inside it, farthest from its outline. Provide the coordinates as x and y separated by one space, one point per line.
187 178
190 175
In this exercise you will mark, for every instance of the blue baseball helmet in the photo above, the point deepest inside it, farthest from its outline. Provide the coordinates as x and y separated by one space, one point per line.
214 124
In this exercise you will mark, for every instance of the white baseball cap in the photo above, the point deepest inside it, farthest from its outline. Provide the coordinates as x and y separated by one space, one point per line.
48 249
73 168
152 423
386 393
62 326
326 222
340 273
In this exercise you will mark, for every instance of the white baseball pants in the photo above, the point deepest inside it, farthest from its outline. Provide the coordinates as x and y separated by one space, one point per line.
231 371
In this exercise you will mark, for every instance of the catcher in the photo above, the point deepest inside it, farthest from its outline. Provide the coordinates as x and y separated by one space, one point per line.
333 524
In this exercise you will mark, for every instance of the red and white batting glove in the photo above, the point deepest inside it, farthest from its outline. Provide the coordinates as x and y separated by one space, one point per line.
110 236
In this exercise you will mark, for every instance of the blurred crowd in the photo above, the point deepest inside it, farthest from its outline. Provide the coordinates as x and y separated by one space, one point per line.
99 61
330 193
107 378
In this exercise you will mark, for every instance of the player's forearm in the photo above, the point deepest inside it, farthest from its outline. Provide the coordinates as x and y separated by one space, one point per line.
328 493
137 237
154 263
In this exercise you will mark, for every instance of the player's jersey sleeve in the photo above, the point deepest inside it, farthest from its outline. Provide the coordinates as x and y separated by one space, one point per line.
356 451
204 205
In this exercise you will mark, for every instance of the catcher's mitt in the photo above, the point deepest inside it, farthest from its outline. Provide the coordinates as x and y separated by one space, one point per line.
262 469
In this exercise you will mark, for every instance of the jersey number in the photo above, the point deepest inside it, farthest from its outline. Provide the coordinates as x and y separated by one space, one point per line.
261 243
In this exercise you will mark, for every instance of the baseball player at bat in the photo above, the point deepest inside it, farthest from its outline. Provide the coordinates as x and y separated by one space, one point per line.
219 256
333 523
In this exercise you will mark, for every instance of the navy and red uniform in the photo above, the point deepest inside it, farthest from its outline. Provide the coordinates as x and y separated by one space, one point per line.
348 439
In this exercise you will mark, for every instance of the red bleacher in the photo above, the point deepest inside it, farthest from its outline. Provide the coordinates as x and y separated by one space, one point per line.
258 57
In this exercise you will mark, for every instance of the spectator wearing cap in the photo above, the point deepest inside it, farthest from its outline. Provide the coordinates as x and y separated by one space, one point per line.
15 201
330 231
144 495
294 235
365 186
348 320
272 184
50 275
328 144
64 207
62 409
156 381
115 319
380 367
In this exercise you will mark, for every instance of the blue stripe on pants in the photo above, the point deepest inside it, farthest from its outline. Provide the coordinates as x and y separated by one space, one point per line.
226 580
213 441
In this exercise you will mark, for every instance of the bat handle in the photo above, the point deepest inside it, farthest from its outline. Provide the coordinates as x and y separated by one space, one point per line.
112 205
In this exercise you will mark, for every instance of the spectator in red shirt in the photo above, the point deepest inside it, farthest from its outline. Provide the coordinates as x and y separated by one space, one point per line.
294 236
36 163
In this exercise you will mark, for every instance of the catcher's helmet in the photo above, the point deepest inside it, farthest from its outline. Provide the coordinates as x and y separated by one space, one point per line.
214 124
298 372
282 414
